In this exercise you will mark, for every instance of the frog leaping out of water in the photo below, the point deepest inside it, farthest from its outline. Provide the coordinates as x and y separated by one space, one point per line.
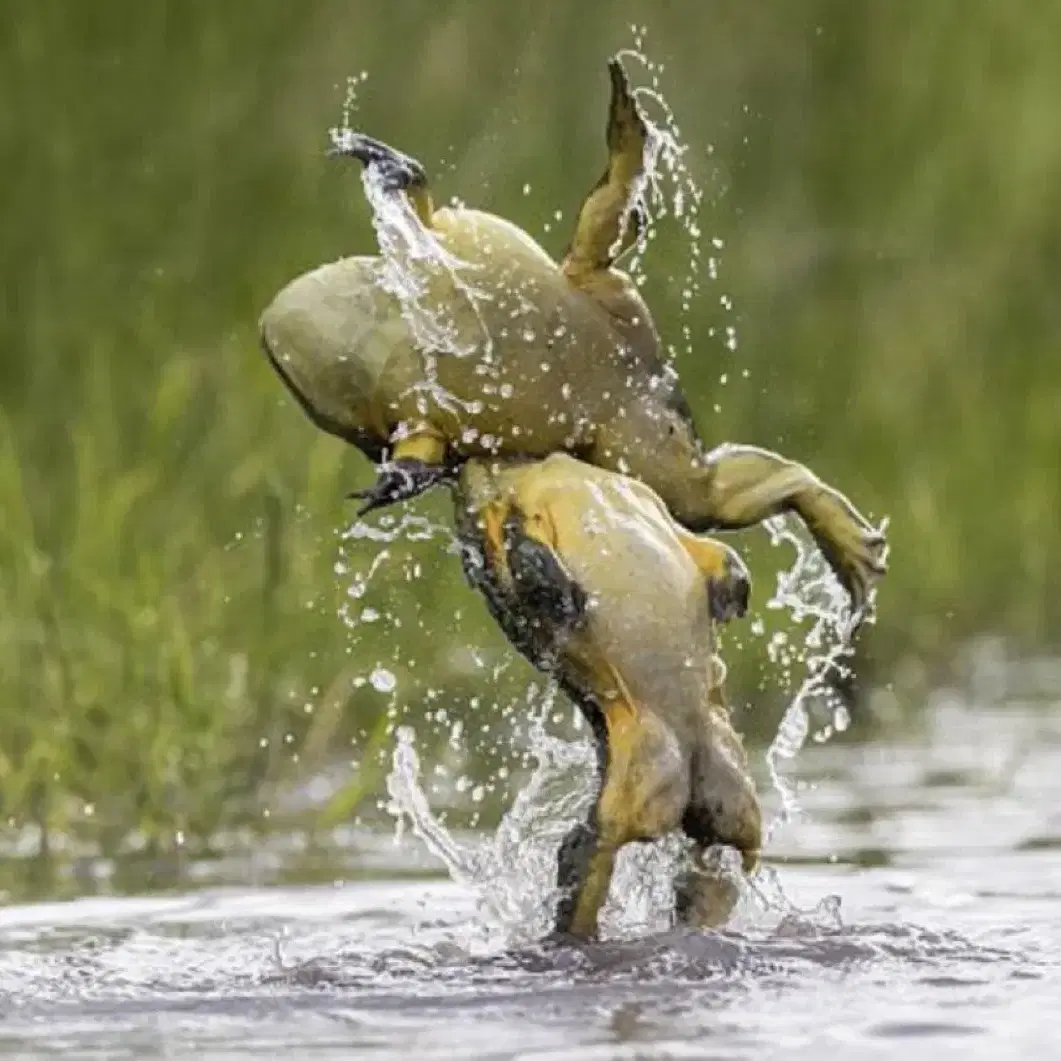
484 346
592 579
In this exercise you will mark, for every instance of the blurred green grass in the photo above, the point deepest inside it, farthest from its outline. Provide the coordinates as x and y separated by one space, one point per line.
887 183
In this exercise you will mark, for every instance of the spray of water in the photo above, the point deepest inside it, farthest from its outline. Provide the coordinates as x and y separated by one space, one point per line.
412 266
668 188
512 871
809 591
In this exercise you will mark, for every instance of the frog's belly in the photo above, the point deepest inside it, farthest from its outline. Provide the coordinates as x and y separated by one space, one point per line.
649 614
508 410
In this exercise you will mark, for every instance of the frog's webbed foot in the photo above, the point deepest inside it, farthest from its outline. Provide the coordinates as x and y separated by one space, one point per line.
397 172
859 558
400 480
612 216
747 484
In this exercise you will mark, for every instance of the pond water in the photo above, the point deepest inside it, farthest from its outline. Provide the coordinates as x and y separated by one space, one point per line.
944 854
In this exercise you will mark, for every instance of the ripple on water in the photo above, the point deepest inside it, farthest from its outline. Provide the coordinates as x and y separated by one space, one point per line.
385 968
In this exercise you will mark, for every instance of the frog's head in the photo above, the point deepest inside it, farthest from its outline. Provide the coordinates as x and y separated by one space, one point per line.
322 335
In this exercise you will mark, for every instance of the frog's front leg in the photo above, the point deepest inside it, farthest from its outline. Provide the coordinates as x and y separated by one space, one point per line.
416 463
729 583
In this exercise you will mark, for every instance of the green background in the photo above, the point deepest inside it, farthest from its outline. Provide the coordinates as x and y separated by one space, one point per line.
886 178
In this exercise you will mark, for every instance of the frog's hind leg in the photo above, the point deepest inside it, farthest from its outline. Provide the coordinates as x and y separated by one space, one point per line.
545 607
738 486
644 775
610 218
397 172
723 812
644 789
706 893
708 890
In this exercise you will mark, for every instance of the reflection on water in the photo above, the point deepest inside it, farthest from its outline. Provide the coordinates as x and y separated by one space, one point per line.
943 854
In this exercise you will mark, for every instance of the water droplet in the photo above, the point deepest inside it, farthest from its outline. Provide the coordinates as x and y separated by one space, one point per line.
382 680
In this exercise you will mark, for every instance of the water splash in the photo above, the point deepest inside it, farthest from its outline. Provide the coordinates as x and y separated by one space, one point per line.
415 267
670 189
511 871
353 83
809 591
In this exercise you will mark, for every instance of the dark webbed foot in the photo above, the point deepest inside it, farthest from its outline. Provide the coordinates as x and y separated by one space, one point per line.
627 130
858 565
397 171
400 480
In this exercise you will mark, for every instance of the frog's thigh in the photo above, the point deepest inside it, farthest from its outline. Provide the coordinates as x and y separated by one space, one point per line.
646 785
724 805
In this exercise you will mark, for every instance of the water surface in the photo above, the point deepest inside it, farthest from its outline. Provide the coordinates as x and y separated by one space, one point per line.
943 853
